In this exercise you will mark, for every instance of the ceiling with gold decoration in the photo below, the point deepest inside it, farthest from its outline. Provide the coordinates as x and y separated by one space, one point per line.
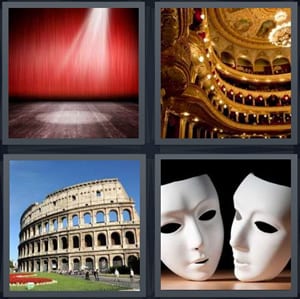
247 30
253 24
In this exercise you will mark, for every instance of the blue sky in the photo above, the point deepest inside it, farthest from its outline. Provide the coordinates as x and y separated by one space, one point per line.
31 181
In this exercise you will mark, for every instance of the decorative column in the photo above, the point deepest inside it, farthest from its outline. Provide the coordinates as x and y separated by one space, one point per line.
182 126
191 129
164 122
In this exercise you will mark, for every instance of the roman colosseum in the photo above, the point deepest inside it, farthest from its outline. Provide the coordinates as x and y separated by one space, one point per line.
84 226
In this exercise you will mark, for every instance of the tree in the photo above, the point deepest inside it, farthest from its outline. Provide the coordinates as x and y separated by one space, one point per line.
11 264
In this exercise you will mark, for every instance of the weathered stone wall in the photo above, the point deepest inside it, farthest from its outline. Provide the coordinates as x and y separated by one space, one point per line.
85 226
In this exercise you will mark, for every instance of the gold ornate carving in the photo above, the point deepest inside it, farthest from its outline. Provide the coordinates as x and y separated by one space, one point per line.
169 27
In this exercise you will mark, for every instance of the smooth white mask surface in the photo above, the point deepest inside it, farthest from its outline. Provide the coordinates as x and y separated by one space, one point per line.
191 228
260 232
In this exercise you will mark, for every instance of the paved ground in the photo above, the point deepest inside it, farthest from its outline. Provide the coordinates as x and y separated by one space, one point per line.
121 282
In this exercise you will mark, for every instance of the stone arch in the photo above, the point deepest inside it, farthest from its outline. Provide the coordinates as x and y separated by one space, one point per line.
76 242
101 239
54 264
64 264
46 227
113 216
76 264
64 243
40 229
87 218
54 244
38 266
126 215
38 246
46 245
88 241
75 220
115 238
131 261
55 226
129 237
31 266
64 222
103 264
89 263
117 261
100 217
45 265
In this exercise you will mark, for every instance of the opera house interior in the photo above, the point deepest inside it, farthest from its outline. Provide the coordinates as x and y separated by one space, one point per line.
225 73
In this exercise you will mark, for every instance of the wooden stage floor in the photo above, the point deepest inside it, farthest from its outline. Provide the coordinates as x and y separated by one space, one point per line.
64 120
224 280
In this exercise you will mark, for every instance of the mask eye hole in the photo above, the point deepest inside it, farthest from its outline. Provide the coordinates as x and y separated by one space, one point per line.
208 215
265 227
170 228
237 215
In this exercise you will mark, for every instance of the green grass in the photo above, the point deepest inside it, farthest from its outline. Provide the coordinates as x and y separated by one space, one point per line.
68 283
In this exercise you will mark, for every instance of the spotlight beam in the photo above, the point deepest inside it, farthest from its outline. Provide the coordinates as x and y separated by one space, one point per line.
88 51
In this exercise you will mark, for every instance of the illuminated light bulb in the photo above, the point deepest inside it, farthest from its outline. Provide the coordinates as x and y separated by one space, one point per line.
208 76
280 16
201 58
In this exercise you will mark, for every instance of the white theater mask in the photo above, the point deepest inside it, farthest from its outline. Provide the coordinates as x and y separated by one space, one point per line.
260 232
191 228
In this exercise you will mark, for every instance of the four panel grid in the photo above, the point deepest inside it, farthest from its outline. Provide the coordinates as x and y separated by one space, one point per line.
109 109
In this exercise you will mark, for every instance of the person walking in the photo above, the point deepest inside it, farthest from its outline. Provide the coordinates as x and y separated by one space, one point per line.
131 275
117 275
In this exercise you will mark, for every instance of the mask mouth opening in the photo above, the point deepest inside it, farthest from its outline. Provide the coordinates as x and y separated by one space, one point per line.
240 263
202 261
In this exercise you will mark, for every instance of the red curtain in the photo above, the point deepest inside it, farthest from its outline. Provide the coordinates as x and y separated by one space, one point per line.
48 60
